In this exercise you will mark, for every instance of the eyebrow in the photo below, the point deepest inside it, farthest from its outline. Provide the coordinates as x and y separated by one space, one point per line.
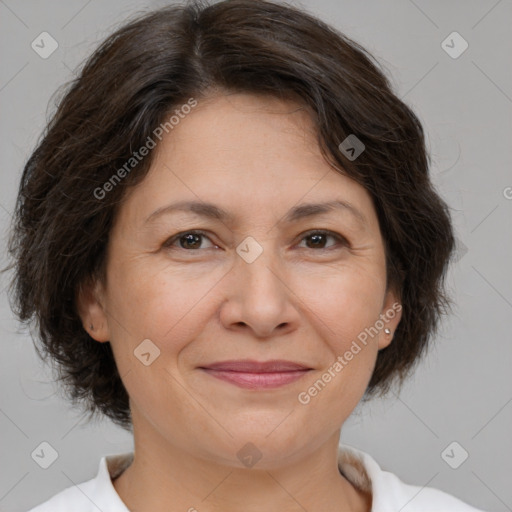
212 211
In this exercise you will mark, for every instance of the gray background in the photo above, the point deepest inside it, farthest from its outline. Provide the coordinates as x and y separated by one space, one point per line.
461 392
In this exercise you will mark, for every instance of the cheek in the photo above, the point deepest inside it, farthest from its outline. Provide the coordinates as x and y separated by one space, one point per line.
145 294
164 307
344 314
157 302
347 301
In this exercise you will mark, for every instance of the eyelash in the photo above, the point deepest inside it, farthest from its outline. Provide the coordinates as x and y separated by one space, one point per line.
338 237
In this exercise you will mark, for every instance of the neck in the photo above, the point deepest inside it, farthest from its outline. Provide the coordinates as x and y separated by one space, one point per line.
159 479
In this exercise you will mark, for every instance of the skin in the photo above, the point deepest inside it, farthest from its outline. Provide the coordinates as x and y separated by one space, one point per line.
200 303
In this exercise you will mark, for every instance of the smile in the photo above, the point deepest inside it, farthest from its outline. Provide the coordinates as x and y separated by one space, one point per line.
254 380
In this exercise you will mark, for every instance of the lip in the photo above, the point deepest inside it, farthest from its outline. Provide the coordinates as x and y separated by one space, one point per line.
253 380
251 366
257 375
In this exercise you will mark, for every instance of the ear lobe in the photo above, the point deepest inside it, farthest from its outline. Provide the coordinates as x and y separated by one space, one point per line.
391 315
90 307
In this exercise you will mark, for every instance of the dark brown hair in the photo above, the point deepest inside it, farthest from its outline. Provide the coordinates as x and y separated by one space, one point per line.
131 84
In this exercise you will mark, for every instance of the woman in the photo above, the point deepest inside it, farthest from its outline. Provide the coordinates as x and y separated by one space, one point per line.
228 238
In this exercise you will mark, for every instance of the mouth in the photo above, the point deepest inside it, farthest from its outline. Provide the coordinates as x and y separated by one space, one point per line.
257 375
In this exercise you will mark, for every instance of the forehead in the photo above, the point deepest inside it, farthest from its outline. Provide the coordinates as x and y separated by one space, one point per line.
241 125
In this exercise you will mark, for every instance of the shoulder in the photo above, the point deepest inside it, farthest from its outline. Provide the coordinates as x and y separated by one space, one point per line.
95 494
389 492
413 498
70 497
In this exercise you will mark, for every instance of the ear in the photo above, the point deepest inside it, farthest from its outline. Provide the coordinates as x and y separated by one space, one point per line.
91 309
390 315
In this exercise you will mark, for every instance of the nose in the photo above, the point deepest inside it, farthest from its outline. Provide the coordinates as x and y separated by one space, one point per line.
259 299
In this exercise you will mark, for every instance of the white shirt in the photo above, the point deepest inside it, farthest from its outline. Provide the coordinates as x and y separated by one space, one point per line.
389 493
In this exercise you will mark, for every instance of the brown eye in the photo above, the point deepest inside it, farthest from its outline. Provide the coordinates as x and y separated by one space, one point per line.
317 239
191 240
187 240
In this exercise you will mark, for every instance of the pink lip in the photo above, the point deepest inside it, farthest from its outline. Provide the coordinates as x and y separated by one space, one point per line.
251 380
255 375
250 366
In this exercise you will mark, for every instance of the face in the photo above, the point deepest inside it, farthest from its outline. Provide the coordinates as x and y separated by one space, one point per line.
259 283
